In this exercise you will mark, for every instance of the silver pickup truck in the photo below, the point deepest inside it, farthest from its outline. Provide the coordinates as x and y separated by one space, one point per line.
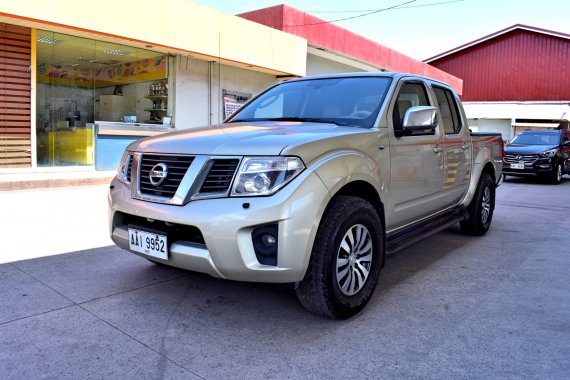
312 182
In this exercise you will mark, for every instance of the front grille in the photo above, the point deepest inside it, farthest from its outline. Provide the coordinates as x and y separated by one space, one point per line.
220 176
174 231
527 159
177 168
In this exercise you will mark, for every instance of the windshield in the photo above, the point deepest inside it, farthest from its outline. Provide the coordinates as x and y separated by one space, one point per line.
536 139
352 101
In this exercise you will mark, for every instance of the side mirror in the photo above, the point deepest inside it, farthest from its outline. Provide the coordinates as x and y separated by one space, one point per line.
420 120
566 143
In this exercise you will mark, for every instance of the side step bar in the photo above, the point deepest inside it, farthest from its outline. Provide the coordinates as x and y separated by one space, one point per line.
414 234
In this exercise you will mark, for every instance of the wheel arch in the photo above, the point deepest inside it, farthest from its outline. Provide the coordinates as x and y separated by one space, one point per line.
489 168
364 190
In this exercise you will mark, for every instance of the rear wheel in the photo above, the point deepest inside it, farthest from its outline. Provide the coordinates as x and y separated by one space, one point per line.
481 208
346 260
556 175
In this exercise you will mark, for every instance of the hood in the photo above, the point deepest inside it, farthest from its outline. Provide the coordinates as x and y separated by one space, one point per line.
528 149
237 139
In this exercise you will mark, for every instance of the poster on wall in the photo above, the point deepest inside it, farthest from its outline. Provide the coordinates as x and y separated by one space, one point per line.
233 100
109 75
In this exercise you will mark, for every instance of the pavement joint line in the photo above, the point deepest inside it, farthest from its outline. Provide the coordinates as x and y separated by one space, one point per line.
130 290
84 302
80 305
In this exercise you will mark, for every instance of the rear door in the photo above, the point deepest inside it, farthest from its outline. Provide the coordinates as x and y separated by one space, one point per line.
456 144
416 162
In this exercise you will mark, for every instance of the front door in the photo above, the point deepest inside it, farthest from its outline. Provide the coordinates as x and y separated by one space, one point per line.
416 163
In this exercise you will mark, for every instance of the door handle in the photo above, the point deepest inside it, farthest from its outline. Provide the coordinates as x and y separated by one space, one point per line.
465 146
437 149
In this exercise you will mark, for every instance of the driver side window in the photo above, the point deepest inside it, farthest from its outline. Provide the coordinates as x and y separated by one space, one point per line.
411 95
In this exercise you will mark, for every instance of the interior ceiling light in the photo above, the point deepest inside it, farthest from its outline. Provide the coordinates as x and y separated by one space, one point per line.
116 52
48 40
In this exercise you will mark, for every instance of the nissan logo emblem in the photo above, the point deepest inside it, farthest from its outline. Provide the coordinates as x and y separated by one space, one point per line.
158 174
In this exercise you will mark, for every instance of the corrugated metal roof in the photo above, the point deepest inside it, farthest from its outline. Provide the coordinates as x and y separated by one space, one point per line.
494 35
519 65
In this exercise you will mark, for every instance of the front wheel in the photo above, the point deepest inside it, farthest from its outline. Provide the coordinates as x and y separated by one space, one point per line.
481 208
345 261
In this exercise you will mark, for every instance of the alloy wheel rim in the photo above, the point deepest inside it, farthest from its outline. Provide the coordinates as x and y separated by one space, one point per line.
559 173
486 205
354 260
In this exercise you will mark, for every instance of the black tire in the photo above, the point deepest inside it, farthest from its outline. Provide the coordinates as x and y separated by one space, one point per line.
556 175
481 208
326 289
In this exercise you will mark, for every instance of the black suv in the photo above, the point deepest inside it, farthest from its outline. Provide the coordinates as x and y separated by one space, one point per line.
544 153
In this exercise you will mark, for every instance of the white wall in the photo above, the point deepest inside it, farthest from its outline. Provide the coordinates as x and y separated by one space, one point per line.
191 93
318 65
502 126
191 97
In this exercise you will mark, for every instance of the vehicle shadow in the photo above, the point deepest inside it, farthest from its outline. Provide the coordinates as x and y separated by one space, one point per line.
201 297
509 179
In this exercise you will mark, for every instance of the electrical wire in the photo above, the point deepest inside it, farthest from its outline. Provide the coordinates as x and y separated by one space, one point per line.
398 7
348 18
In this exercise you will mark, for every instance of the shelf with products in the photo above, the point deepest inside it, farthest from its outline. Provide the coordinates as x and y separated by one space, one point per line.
158 94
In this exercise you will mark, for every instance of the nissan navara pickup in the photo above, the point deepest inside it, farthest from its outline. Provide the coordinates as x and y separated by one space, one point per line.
312 182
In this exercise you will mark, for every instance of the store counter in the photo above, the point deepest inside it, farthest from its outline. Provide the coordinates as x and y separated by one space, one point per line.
111 139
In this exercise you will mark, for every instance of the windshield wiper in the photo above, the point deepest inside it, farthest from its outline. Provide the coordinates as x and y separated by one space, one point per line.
308 120
300 119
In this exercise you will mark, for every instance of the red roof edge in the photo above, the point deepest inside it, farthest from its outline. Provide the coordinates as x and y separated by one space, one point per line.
323 34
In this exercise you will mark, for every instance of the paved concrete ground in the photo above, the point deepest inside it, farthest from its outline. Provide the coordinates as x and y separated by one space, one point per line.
48 221
449 307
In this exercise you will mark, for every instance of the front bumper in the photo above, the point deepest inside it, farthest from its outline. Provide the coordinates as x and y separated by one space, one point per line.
226 225
537 167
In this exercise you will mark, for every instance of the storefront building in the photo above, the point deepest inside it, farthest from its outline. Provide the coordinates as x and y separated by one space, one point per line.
77 87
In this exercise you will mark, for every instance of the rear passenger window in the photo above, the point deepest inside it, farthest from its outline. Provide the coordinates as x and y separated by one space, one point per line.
411 95
448 108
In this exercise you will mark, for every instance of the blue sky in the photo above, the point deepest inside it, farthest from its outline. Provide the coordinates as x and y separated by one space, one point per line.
422 32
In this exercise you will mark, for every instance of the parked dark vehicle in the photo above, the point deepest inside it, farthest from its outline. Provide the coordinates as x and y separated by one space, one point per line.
539 153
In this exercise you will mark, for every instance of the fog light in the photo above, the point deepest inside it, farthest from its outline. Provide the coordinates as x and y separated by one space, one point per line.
265 244
268 240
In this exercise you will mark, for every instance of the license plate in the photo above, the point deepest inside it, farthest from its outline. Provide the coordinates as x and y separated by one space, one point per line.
517 166
149 243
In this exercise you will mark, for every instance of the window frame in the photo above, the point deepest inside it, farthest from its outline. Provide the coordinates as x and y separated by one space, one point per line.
453 107
396 121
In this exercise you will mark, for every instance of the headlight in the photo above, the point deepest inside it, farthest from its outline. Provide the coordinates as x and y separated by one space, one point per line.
123 173
265 175
549 153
